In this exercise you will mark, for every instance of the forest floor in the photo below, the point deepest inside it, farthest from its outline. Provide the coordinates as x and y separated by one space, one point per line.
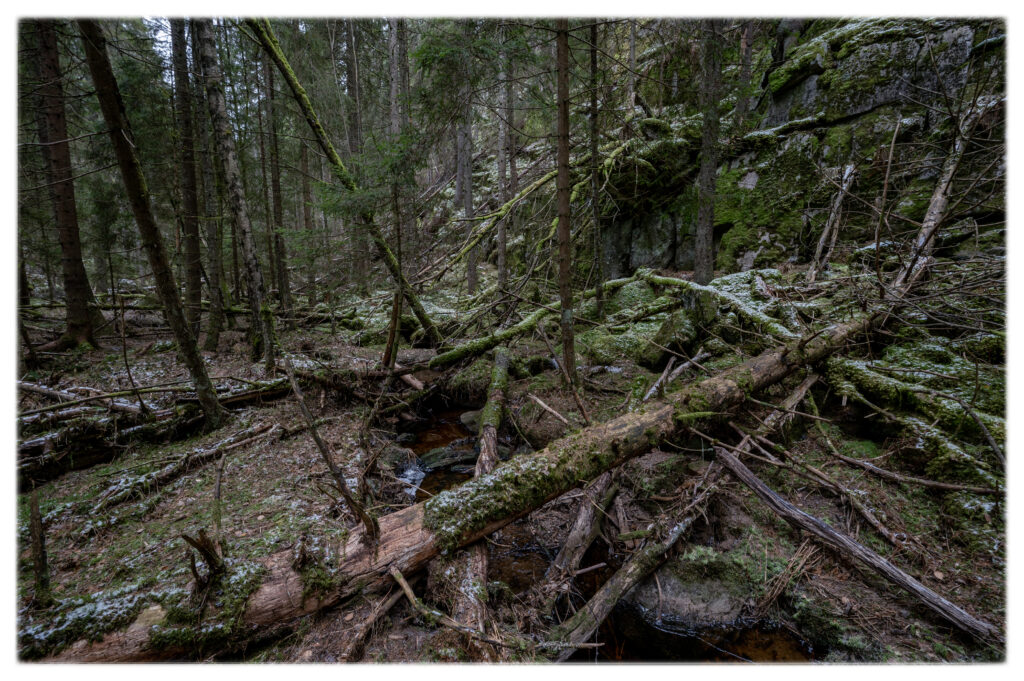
792 599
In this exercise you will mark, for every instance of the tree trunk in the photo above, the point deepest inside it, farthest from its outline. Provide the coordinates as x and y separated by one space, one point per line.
187 170
211 211
268 218
307 217
262 319
746 54
395 131
280 254
355 143
501 156
53 133
564 242
266 37
595 205
109 97
472 275
704 257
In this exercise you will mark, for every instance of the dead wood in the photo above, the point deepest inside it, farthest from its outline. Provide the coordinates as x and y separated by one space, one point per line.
127 488
831 229
582 626
354 650
459 516
847 547
356 507
471 563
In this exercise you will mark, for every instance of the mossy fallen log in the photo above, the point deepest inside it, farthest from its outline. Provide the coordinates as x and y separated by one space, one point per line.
409 538
471 574
581 626
528 324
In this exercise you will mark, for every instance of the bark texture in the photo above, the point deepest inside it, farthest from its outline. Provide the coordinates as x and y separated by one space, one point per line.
262 319
187 171
53 133
564 242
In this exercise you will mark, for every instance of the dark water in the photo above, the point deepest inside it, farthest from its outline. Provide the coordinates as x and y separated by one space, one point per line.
444 429
628 637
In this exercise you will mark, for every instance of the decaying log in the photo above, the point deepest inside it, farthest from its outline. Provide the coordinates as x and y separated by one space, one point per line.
354 650
84 442
459 516
88 440
125 489
68 399
529 323
581 626
846 546
595 499
471 563
921 252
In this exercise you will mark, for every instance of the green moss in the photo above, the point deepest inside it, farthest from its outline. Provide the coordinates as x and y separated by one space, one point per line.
471 383
316 581
808 60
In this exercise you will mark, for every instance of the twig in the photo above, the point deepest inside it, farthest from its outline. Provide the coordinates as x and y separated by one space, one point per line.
372 529
548 409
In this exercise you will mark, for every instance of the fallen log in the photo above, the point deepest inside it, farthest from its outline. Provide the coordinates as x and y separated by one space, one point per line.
67 399
471 601
846 546
581 626
528 324
409 538
127 488
85 441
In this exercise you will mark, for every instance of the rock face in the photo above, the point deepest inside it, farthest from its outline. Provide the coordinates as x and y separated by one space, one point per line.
835 94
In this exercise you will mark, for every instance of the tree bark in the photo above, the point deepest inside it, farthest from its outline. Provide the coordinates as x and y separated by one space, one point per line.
280 254
504 128
355 144
187 170
564 241
53 133
262 320
595 206
704 257
472 275
138 195
211 211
